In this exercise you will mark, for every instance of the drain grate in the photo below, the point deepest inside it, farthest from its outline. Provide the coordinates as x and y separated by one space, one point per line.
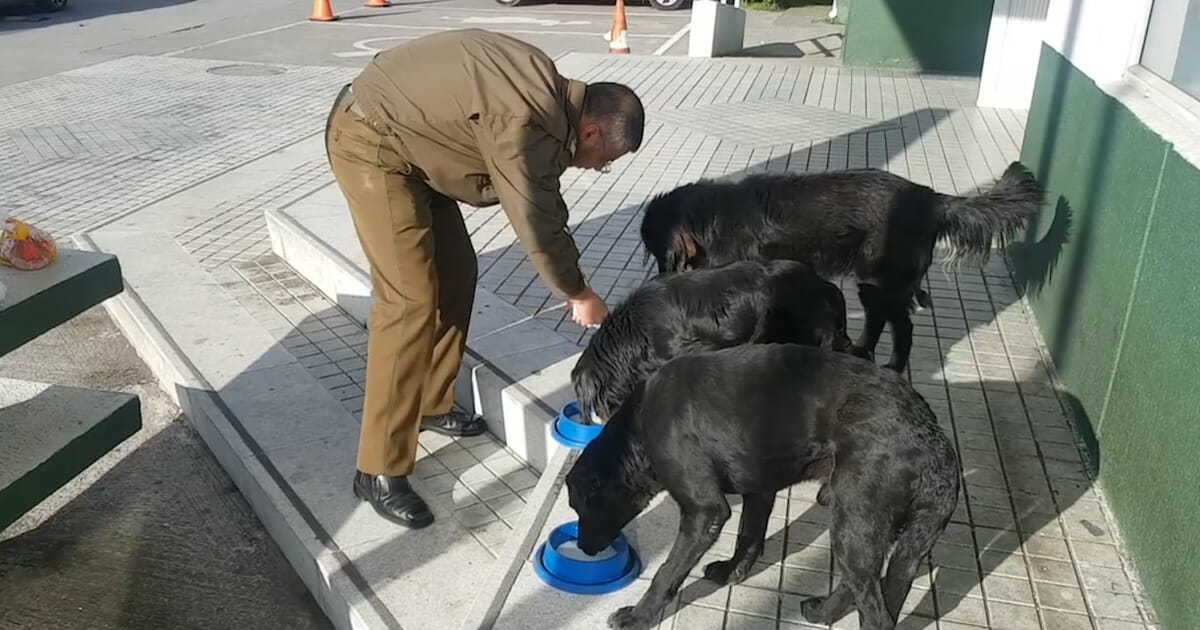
247 70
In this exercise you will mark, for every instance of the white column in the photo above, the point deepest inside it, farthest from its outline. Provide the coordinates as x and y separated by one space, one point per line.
718 29
1013 47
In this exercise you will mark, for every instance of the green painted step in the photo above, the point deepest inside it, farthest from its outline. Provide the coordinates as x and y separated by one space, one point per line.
39 301
51 433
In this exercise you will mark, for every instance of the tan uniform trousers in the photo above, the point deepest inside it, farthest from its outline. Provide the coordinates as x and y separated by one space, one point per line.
423 274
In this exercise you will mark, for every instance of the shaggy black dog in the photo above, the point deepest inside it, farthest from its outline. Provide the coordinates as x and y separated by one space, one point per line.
880 227
747 301
752 420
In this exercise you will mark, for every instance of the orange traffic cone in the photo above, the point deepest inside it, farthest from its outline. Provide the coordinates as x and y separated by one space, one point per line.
377 4
322 12
616 40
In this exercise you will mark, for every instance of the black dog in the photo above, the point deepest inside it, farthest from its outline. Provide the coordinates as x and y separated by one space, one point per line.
879 226
752 420
675 313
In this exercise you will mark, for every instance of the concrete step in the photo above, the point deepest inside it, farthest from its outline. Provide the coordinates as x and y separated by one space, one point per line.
517 369
51 433
289 445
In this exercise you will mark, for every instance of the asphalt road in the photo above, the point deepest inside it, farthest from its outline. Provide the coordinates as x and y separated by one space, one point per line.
278 31
355 37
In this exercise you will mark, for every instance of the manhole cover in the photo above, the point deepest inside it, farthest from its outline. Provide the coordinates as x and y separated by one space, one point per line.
247 70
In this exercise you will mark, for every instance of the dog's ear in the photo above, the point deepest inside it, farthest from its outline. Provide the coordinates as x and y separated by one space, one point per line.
682 251
686 243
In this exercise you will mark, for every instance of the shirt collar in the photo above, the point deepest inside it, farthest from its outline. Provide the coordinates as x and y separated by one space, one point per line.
575 93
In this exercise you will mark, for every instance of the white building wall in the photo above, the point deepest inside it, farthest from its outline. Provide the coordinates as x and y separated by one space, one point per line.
1100 37
1011 57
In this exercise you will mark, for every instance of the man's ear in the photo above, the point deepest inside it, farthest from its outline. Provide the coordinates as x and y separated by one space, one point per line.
589 130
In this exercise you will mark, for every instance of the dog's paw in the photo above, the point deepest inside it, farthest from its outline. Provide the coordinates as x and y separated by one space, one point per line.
810 609
720 571
627 619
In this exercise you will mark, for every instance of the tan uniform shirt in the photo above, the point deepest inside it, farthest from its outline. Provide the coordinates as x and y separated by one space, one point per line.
485 118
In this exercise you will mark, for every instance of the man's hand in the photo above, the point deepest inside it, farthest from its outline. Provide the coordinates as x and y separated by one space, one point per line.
587 309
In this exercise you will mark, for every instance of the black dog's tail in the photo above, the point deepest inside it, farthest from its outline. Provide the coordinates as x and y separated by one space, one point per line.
971 224
933 504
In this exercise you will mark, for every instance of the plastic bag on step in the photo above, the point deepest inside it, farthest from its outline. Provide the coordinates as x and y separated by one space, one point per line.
25 247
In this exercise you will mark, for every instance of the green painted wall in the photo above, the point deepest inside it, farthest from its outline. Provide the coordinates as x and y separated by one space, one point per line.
1120 312
929 35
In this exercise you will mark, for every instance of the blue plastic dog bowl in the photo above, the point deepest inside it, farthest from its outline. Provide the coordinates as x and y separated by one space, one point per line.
610 570
570 431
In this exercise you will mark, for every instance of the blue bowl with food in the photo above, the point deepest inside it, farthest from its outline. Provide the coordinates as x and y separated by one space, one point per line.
571 431
560 563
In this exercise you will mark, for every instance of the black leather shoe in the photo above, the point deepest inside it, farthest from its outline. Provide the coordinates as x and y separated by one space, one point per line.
454 424
393 499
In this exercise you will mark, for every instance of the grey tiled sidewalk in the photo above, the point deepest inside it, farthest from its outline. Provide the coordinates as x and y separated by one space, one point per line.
1032 546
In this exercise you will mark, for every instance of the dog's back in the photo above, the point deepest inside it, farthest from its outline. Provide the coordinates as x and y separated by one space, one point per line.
825 220
763 410
679 313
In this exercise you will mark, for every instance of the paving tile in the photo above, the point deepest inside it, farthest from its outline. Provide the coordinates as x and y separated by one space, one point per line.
806 582
1104 580
957 581
475 515
736 621
969 610
1000 563
764 576
753 601
700 618
1057 620
1054 571
1008 589
1115 606
1047 547
1066 598
704 594
809 557
1005 616
492 535
1104 555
